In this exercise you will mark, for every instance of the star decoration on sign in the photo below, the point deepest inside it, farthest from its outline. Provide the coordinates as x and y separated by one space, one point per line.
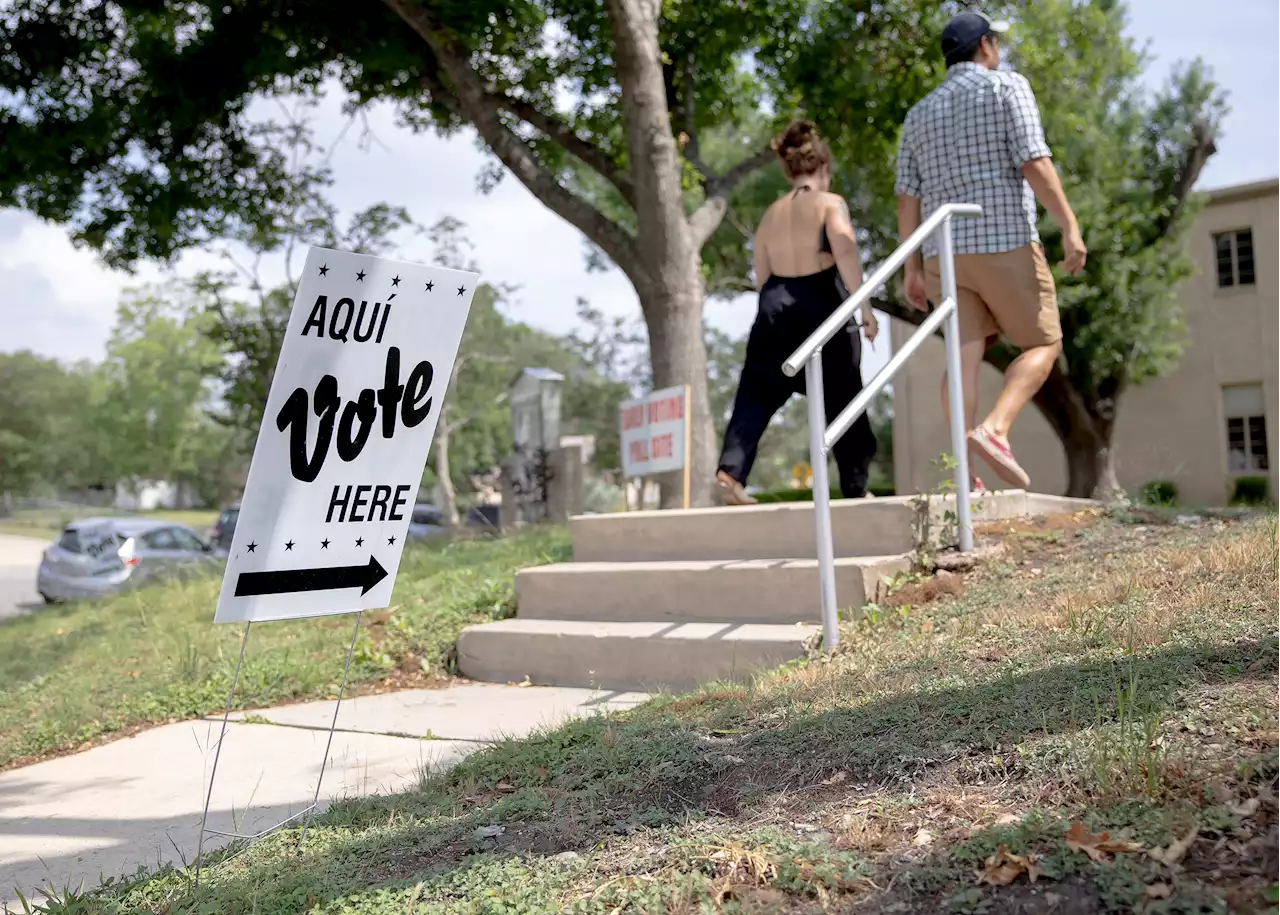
461 290
391 541
359 541
360 276
252 547
324 271
324 544
430 285
289 545
395 281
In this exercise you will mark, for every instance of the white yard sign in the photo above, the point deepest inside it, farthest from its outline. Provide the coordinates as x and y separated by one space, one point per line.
353 407
655 434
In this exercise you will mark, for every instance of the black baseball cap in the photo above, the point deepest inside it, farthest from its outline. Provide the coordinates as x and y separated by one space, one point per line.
963 33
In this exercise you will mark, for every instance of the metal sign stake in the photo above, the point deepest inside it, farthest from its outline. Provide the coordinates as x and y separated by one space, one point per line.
217 754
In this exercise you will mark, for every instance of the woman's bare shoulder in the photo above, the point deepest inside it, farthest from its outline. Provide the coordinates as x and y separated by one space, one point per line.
835 204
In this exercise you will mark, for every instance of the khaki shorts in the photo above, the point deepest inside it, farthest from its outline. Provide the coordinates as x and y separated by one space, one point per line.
1009 293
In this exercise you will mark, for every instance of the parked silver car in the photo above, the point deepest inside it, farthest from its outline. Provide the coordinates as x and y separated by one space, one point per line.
100 556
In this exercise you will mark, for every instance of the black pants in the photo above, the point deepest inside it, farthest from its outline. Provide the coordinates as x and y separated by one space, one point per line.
791 308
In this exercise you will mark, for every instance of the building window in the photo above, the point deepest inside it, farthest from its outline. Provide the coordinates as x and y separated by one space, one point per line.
1234 251
1244 407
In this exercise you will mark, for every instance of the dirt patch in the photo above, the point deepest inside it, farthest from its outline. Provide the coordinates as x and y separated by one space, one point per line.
918 593
1040 525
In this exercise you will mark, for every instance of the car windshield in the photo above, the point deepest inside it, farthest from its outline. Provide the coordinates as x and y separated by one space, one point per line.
228 516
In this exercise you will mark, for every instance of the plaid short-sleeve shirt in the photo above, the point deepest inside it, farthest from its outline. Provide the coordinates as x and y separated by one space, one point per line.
966 142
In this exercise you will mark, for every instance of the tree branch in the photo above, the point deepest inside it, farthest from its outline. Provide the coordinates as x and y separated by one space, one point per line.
1199 153
724 184
483 111
560 132
707 217
689 139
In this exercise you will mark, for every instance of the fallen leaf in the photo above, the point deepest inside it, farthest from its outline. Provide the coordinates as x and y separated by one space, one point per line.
1003 868
505 785
836 779
923 837
1158 891
1246 808
926 626
1177 849
1096 847
133 673
1006 819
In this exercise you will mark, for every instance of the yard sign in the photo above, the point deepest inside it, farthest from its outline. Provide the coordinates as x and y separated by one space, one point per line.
655 434
353 407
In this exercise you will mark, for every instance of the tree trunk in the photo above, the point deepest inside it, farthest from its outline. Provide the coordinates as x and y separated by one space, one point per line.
444 482
1084 426
670 281
678 353
1091 472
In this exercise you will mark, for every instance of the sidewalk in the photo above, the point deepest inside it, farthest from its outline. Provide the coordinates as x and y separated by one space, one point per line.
138 801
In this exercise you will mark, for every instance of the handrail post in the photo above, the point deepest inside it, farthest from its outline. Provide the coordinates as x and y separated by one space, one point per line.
955 386
816 404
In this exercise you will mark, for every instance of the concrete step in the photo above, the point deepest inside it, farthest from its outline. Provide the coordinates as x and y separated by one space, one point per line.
860 527
734 591
643 656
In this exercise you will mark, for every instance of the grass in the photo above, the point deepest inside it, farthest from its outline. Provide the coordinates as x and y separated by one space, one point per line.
1100 677
75 674
47 524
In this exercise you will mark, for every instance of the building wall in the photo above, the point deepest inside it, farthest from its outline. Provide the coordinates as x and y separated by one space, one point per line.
1170 428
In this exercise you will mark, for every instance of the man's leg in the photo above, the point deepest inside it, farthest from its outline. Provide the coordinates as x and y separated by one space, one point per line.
977 327
970 368
1025 376
1019 286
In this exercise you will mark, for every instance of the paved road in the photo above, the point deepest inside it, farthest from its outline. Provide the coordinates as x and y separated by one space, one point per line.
138 800
19 559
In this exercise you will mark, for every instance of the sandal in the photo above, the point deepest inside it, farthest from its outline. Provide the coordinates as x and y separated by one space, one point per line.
732 492
998 454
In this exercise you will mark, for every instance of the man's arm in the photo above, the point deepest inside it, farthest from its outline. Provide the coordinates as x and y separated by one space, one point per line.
908 222
1030 151
910 188
1043 178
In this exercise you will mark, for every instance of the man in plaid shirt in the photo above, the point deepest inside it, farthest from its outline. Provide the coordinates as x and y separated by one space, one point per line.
977 138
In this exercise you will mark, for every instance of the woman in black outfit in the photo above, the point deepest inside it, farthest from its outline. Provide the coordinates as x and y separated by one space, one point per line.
803 248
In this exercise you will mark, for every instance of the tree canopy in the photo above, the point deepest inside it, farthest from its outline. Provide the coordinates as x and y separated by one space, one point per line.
131 121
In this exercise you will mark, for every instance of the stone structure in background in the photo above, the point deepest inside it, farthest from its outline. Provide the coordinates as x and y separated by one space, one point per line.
565 482
535 432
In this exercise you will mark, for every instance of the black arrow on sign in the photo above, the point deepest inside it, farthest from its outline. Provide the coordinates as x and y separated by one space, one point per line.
290 581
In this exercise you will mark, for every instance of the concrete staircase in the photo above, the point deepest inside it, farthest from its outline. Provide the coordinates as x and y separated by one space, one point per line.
672 599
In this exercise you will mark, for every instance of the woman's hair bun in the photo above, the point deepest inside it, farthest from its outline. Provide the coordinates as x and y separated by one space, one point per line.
801 149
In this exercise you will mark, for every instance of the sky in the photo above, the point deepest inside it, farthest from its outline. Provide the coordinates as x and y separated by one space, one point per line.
60 302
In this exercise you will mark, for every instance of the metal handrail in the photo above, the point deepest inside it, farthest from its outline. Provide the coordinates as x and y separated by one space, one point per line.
840 317
822 438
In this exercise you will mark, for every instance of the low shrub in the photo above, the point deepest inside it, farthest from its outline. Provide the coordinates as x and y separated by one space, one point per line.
1251 491
1160 492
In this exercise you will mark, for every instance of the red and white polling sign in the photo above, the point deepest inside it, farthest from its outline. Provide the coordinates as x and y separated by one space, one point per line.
655 432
